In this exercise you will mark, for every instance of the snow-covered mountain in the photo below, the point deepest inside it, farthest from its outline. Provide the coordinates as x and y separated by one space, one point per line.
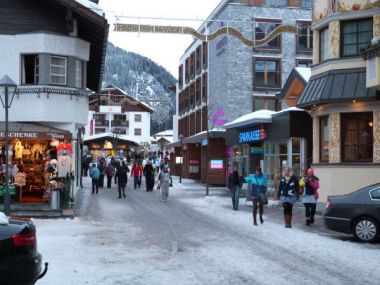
144 80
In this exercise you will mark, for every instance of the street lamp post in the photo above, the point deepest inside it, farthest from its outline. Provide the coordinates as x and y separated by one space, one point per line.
8 85
180 143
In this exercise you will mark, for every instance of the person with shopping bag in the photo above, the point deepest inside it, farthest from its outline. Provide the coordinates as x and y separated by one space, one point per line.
259 197
309 185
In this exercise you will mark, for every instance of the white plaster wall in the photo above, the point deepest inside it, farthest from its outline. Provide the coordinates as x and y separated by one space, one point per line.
12 46
344 179
144 125
41 108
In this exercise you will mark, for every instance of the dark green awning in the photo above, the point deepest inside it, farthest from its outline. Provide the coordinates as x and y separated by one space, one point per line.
336 86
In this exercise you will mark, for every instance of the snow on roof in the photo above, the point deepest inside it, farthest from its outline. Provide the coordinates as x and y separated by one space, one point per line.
104 135
305 72
92 6
291 109
261 116
165 133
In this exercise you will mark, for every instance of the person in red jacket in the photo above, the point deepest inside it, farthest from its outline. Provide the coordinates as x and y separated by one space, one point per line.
136 173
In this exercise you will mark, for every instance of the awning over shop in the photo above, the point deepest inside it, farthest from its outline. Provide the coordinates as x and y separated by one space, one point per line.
31 131
336 86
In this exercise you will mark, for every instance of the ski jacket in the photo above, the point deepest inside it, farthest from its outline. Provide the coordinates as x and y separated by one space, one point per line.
95 173
258 184
136 171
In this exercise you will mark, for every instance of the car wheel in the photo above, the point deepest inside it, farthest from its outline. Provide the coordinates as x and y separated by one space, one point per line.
365 229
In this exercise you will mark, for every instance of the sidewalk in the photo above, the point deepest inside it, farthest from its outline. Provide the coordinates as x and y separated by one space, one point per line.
273 212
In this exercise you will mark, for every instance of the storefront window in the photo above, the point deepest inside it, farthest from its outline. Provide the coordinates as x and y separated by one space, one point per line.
324 139
296 155
357 137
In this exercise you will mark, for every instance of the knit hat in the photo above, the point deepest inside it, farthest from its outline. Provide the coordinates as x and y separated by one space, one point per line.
310 171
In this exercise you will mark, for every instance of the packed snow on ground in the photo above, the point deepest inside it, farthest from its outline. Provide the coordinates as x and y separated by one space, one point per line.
107 248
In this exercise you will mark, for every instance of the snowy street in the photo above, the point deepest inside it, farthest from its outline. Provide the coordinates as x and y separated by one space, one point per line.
193 239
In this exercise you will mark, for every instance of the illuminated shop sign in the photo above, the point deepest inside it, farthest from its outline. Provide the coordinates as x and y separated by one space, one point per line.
216 164
252 135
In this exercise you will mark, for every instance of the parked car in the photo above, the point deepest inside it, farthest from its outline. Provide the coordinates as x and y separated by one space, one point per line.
357 213
20 262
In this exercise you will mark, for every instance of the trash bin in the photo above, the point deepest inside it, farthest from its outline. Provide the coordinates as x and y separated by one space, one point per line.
55 200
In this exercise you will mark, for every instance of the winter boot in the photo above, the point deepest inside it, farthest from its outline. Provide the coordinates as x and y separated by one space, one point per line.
254 220
308 221
312 220
286 220
261 217
290 220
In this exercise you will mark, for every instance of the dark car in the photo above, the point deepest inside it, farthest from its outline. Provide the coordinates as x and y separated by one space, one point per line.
20 262
357 213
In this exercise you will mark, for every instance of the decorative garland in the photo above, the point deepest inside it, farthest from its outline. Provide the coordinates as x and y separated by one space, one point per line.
136 28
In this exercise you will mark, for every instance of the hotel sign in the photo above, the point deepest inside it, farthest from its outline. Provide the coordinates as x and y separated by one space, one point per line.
252 135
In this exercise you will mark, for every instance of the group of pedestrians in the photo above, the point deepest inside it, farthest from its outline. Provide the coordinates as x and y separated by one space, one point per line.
290 189
119 170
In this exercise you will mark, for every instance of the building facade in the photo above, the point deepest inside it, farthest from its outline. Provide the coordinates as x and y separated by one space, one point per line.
227 75
342 95
54 51
114 113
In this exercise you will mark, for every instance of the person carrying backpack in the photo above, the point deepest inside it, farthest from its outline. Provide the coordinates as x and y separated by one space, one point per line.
110 171
165 182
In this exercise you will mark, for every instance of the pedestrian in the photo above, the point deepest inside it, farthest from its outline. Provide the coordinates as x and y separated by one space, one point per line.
141 170
122 178
235 182
157 165
149 176
287 193
135 173
95 176
165 182
115 162
110 171
102 169
258 188
85 165
309 185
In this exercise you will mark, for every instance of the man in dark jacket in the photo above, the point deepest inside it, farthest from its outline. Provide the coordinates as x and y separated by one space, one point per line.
149 176
234 184
122 178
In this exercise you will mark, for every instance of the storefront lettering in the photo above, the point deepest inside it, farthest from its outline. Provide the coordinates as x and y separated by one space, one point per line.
252 136
29 135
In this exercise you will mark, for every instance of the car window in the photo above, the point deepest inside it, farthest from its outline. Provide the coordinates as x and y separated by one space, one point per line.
375 194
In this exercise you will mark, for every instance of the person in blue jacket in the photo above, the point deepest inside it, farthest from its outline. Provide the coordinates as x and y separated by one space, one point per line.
95 176
258 185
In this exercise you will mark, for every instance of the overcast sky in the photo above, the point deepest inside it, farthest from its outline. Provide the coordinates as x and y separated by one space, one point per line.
163 49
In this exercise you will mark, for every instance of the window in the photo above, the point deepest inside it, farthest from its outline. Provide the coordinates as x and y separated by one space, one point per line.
276 3
192 65
306 4
357 137
180 76
78 74
264 103
304 37
58 70
31 69
198 91
137 132
204 87
198 61
205 55
324 139
375 194
356 35
304 62
323 44
267 73
137 117
264 28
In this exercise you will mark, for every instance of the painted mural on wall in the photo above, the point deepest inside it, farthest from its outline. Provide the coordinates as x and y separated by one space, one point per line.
323 8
